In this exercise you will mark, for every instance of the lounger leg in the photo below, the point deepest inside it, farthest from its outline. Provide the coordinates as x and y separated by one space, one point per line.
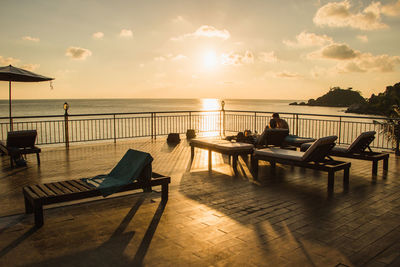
346 178
386 163
164 193
331 181
254 167
38 158
234 162
28 206
375 167
38 210
209 160
191 154
11 161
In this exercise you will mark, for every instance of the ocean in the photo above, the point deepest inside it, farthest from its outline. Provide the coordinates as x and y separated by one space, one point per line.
96 106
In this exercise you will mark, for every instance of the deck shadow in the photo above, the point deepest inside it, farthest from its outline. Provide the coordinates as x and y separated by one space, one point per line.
110 252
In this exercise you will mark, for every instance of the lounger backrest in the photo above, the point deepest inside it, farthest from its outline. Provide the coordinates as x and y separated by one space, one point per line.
362 142
21 139
319 149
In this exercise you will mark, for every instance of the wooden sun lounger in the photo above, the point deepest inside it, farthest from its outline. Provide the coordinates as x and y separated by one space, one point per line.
314 158
358 150
20 143
329 166
36 196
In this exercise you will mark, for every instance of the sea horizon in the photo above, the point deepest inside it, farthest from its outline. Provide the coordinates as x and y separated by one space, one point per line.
47 107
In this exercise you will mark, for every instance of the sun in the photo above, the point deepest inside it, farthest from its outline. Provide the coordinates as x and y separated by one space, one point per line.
210 59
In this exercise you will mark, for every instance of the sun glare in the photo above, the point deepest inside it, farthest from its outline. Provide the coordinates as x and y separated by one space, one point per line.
210 59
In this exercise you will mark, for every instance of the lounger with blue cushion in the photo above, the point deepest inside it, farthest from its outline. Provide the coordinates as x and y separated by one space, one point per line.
315 157
133 172
359 149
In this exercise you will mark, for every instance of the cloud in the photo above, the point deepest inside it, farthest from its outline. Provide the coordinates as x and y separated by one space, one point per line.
350 60
30 67
31 39
367 62
305 39
362 38
205 31
268 57
179 57
178 19
8 61
285 75
335 51
392 9
237 59
126 33
339 14
170 57
98 35
78 53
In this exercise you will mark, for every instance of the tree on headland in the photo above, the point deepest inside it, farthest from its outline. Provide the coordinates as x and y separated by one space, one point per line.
336 97
381 104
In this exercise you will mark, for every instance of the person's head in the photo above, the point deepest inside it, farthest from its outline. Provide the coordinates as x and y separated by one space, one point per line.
275 116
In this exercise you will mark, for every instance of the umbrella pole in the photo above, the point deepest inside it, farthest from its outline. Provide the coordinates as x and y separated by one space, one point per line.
9 104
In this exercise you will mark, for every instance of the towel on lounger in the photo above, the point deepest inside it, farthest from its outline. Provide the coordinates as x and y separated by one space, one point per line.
128 169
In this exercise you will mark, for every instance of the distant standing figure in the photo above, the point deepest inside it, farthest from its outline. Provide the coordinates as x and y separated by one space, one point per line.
280 123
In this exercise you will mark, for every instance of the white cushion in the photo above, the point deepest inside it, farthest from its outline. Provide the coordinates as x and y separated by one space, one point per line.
321 141
361 136
280 153
233 146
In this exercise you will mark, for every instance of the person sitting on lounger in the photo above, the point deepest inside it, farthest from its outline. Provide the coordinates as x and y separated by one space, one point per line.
280 123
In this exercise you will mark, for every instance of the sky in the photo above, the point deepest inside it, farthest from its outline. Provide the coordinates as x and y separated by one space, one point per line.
255 49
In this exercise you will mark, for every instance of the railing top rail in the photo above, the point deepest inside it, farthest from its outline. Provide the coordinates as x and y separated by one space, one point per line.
198 111
310 114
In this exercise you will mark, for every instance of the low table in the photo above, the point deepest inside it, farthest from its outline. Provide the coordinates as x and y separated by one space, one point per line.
224 147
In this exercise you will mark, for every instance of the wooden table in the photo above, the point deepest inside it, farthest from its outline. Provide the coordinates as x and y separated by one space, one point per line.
225 147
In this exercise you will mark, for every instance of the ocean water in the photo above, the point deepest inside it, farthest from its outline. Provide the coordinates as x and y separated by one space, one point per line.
96 106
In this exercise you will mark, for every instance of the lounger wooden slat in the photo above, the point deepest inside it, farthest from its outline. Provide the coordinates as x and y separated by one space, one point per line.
47 190
38 191
69 186
79 186
62 188
55 189
35 198
83 184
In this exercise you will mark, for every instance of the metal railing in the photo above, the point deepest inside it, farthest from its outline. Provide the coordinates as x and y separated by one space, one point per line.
70 128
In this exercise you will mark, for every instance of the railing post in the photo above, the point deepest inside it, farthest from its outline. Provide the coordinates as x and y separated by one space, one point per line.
255 122
155 125
151 125
340 129
66 129
223 117
297 124
115 130
190 120
65 107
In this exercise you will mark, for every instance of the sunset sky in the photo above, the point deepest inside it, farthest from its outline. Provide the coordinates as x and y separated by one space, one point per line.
286 49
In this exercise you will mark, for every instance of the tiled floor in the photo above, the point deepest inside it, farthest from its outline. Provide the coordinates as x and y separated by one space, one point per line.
211 219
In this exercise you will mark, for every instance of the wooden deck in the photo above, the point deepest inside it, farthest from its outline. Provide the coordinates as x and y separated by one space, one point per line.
211 219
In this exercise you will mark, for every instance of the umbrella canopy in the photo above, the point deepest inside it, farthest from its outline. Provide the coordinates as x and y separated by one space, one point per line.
13 74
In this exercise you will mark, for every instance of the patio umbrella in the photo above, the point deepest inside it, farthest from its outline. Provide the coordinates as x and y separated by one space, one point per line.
13 74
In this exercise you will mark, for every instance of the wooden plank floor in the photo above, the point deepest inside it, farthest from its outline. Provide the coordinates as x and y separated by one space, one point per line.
211 219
